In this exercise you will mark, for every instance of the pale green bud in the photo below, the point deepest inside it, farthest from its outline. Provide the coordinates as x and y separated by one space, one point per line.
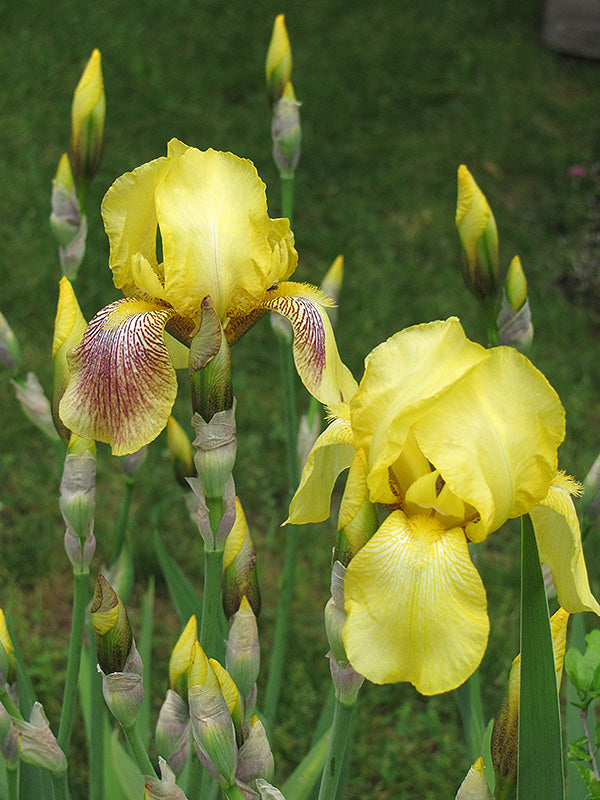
10 356
210 366
37 744
286 132
255 759
78 493
35 404
474 786
266 791
212 724
173 731
165 788
335 616
239 567
124 691
243 649
68 224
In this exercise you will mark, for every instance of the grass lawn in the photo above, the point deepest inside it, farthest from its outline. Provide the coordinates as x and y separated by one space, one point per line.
395 96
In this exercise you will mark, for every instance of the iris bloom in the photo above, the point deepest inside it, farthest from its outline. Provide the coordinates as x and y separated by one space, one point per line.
452 439
183 227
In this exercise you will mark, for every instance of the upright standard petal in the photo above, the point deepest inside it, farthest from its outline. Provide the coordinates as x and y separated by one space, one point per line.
403 376
416 606
131 223
493 436
217 236
122 385
316 355
331 454
559 542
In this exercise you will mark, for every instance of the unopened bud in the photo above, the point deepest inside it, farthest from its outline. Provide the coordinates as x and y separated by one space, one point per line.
255 759
266 791
479 238
474 786
514 321
181 657
243 649
87 121
78 493
173 731
212 724
7 654
10 356
335 616
165 788
346 681
37 744
112 630
35 404
286 132
68 223
278 66
181 452
239 567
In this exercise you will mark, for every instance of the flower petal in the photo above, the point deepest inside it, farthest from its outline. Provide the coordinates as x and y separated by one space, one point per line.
217 236
493 436
403 377
122 385
130 221
331 453
316 355
416 606
559 542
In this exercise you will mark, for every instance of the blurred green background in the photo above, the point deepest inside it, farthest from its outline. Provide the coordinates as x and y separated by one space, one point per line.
394 97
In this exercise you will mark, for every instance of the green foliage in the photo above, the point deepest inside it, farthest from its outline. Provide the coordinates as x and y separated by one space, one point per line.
583 671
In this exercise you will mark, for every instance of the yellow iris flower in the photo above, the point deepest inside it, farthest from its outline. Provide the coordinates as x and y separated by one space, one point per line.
453 440
183 227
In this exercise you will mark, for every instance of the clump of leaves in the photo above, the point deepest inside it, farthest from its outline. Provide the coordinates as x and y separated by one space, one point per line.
583 670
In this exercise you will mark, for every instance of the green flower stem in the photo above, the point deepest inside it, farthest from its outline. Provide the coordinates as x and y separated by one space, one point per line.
12 781
287 197
233 793
137 748
97 723
8 704
60 785
81 595
212 604
292 536
338 744
123 520
489 308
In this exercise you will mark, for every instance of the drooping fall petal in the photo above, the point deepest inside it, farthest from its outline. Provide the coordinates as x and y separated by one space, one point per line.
559 542
416 606
123 384
332 452
315 351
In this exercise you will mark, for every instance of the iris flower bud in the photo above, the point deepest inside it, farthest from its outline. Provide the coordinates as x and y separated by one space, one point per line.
514 321
239 567
68 223
243 650
181 656
180 452
7 656
286 132
10 356
474 786
165 788
278 66
173 731
479 238
87 121
37 744
118 658
35 404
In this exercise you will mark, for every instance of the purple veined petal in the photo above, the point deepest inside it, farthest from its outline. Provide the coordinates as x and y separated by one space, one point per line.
122 383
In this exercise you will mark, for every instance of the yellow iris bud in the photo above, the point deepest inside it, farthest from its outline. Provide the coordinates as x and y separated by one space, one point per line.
87 121
278 66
